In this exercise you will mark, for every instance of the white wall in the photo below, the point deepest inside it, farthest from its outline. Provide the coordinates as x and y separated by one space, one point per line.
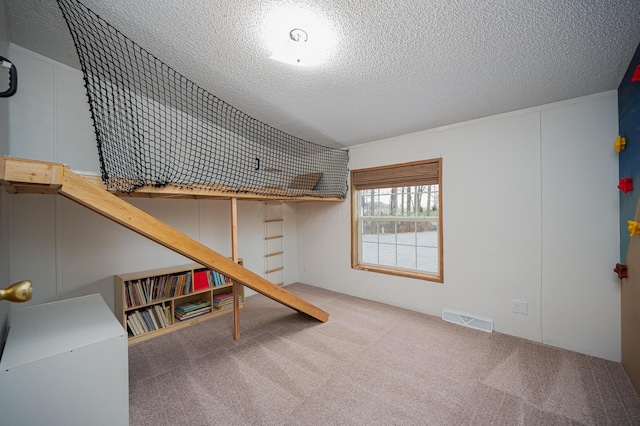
491 196
4 203
529 205
67 250
530 213
580 237
49 116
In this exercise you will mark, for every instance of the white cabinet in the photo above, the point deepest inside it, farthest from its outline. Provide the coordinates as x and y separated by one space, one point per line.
65 363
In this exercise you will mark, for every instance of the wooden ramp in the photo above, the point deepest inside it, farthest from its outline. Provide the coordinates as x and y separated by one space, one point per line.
30 176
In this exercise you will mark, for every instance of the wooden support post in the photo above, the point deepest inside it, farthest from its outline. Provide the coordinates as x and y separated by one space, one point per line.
234 257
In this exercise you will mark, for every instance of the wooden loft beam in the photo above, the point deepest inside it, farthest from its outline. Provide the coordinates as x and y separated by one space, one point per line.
172 191
30 176
19 175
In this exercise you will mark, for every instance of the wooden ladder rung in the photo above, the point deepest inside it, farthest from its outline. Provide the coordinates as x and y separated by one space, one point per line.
275 269
274 254
275 237
274 220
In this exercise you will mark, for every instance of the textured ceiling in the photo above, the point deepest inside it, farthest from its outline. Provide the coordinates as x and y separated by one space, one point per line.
394 67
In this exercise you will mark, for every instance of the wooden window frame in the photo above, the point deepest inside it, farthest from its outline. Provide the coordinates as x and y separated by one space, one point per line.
378 178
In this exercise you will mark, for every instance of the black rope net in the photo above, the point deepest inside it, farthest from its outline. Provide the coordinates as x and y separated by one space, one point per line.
154 127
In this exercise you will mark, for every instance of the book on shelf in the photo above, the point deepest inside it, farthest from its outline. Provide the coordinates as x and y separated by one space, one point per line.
137 325
145 288
152 316
140 292
167 314
224 297
159 312
148 319
132 325
181 284
147 322
190 310
137 317
192 306
161 287
224 301
144 291
200 280
193 314
141 322
216 279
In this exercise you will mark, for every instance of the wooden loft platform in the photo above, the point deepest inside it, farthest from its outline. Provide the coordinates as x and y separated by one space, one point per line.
18 175
172 191
30 176
40 177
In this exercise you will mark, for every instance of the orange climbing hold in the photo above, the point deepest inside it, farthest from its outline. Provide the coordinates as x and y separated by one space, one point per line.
620 143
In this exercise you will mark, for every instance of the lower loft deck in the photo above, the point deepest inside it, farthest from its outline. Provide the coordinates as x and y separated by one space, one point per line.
25 176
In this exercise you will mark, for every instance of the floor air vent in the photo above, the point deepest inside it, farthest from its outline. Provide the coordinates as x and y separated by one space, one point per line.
482 324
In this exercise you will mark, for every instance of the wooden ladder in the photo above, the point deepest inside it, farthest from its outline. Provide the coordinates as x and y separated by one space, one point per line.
273 242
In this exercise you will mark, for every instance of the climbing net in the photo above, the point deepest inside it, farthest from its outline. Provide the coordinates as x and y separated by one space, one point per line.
154 127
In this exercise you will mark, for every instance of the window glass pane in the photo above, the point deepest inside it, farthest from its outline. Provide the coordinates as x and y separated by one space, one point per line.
387 254
411 201
427 259
407 257
428 200
393 200
370 253
369 230
406 233
387 229
427 236
365 203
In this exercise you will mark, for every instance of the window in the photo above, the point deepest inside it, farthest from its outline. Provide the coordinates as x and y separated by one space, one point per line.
396 217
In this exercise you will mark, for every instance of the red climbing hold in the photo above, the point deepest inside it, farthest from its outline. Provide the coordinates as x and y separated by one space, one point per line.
621 270
626 185
636 75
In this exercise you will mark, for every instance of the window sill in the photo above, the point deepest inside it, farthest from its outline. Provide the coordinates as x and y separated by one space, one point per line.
400 272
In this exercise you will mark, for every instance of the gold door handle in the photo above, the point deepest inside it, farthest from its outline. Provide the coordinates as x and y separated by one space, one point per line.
17 292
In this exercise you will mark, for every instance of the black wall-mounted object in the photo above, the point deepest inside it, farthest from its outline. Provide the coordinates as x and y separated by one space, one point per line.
13 78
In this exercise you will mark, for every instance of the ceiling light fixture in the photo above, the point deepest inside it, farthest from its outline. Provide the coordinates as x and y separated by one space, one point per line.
287 41
295 50
298 35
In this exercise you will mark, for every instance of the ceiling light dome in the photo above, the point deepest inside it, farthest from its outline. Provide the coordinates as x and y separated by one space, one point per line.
298 36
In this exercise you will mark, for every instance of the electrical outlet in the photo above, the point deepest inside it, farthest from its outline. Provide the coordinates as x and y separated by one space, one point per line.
520 307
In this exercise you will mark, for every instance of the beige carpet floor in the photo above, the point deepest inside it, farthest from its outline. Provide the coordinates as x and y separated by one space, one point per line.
370 364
